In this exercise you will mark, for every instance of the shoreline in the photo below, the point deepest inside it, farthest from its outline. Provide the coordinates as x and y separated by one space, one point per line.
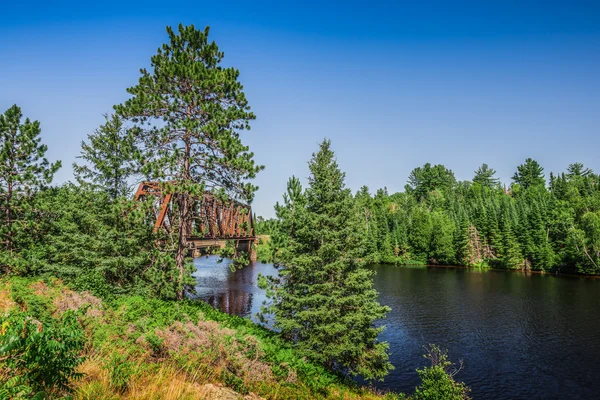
523 272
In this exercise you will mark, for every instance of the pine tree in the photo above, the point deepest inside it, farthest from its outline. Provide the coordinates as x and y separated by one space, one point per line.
111 156
325 301
485 177
529 174
188 112
423 180
23 172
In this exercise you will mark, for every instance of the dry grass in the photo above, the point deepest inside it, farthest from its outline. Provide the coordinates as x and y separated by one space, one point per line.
6 302
168 383
70 300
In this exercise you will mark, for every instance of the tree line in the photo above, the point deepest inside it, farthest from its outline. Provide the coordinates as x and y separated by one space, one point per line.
533 224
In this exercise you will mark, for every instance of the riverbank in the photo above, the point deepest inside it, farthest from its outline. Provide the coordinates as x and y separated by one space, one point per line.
138 348
490 268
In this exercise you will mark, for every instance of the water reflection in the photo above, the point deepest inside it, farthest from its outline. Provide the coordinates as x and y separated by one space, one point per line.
233 292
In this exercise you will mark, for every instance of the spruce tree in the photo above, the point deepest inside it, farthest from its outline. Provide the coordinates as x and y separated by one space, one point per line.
23 171
110 154
286 213
325 301
188 112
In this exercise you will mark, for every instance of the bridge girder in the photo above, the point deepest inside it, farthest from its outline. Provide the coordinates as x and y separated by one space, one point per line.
212 218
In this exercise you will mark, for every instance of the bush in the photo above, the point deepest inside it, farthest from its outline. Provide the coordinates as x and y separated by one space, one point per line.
119 371
37 357
438 380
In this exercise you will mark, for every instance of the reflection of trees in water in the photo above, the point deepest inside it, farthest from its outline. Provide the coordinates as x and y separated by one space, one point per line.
235 297
235 302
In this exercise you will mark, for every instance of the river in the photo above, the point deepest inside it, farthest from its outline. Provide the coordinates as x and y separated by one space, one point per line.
521 336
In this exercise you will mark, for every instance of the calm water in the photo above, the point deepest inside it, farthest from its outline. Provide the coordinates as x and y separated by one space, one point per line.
520 336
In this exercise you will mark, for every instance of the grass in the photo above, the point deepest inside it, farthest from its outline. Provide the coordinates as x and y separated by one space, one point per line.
138 348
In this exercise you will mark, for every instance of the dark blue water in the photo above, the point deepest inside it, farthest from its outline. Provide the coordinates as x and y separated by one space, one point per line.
520 336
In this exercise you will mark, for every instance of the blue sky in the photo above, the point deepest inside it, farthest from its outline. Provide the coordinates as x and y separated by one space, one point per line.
393 84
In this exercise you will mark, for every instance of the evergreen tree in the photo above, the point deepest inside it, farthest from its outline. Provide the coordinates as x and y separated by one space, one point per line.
529 174
111 157
96 243
286 213
511 252
577 169
23 171
442 238
423 180
484 175
188 113
325 301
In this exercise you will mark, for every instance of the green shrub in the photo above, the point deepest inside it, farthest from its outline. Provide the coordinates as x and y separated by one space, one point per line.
39 357
437 381
119 371
156 344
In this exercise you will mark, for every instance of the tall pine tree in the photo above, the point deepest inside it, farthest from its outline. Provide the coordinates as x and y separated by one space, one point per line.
325 301
189 112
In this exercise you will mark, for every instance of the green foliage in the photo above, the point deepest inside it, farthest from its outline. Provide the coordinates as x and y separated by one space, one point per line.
23 171
529 174
111 158
325 302
40 357
437 381
426 179
485 176
127 340
120 371
477 224
156 343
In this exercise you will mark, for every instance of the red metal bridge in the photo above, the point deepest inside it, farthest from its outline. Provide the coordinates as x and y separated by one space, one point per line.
214 222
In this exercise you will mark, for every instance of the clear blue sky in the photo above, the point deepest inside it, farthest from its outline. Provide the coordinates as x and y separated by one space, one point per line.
393 84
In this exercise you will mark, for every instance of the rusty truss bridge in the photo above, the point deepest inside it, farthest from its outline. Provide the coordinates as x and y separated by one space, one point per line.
214 222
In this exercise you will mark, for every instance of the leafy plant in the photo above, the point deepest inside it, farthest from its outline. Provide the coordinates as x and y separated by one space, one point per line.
39 357
120 371
438 380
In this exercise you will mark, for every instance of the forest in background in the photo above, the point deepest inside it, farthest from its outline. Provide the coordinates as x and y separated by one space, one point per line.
533 224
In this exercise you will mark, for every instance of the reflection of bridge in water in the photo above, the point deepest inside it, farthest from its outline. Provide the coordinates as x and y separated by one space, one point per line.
232 292
236 302
214 222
